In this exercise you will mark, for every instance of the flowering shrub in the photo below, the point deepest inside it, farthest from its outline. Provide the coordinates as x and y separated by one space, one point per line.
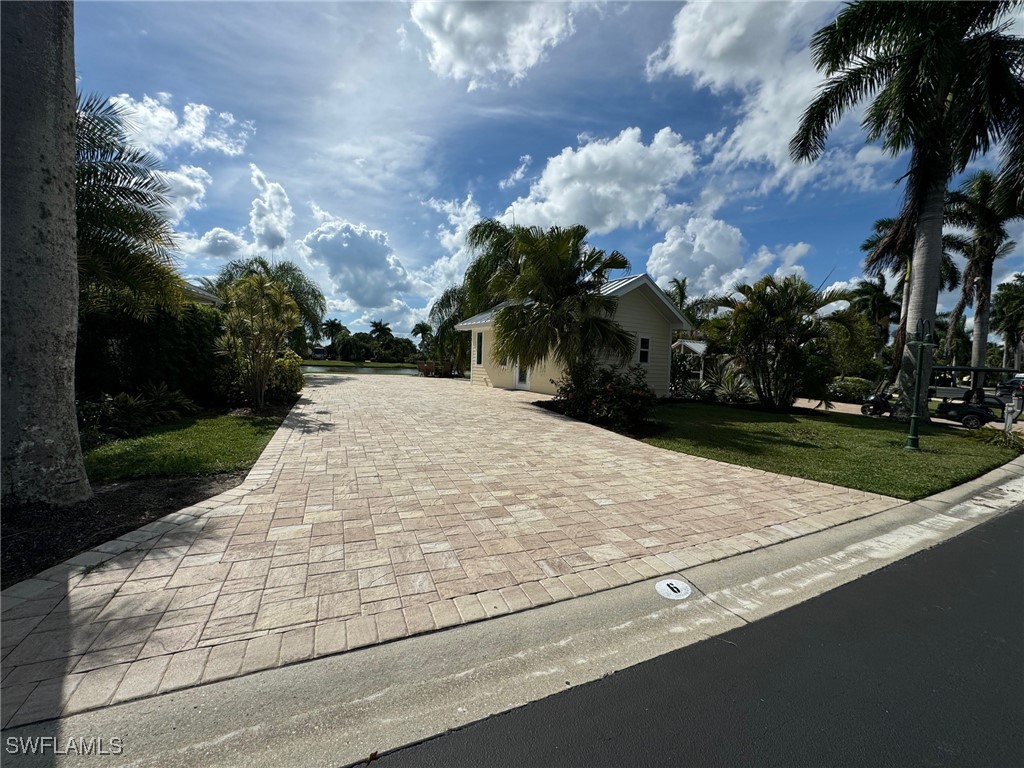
620 400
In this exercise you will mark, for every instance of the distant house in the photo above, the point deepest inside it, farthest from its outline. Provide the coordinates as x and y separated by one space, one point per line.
643 310
202 296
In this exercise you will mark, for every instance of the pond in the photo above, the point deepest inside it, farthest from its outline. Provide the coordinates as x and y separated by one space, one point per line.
357 369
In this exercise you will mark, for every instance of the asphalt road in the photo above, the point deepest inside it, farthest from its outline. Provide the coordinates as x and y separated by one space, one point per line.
918 664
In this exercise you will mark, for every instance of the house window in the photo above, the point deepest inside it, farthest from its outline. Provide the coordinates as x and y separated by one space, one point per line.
480 348
645 350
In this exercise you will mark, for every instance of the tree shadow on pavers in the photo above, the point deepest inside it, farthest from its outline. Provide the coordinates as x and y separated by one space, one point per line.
37 638
72 632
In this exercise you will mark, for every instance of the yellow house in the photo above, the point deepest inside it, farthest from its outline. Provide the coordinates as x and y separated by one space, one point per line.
643 310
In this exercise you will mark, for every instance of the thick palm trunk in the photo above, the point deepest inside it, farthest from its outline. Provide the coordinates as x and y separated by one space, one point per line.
979 337
42 456
924 295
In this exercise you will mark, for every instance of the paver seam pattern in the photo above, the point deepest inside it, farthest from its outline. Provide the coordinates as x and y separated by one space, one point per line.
383 509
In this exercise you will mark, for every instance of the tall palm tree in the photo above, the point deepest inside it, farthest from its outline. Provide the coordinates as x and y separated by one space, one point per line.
333 330
556 307
41 455
982 207
1008 317
125 237
425 334
945 83
882 257
773 327
381 330
871 299
304 291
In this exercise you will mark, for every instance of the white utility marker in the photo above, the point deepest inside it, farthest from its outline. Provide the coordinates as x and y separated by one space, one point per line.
673 589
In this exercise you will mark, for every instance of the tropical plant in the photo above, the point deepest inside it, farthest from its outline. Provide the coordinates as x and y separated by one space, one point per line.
556 308
619 399
425 334
450 308
261 313
945 83
1008 317
309 299
953 339
980 206
695 310
41 454
125 237
334 332
870 298
852 344
773 327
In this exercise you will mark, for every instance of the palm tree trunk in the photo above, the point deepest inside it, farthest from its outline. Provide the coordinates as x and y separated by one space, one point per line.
924 295
42 456
979 337
899 339
1006 349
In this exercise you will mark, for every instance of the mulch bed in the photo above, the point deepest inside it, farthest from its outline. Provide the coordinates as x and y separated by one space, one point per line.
34 538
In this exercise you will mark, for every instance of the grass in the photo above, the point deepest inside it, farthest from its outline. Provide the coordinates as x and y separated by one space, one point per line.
203 445
843 449
349 364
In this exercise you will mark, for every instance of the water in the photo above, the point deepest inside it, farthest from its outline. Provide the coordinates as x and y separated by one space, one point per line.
357 369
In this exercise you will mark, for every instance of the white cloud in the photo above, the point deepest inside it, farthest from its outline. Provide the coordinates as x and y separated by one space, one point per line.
607 183
271 214
518 174
359 261
760 52
712 255
154 125
187 189
450 268
216 245
481 41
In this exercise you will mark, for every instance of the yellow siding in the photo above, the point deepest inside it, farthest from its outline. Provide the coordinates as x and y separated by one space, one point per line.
489 373
638 315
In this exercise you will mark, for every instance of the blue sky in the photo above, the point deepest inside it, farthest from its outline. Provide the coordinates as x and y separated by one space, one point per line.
361 140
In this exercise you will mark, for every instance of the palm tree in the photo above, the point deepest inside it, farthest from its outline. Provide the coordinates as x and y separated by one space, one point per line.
982 207
1008 317
333 330
380 330
125 238
41 455
882 258
556 308
773 327
304 291
951 334
425 334
870 298
261 313
945 83
450 308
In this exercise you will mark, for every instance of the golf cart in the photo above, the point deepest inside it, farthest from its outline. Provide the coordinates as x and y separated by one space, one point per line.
973 410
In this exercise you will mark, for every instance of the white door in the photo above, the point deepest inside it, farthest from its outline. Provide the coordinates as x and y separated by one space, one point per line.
522 377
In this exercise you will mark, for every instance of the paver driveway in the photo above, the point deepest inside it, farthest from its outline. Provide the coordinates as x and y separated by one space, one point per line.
385 506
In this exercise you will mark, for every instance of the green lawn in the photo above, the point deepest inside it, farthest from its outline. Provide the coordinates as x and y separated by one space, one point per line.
842 449
204 445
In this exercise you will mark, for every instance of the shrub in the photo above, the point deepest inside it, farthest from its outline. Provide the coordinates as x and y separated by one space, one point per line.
127 415
286 379
620 400
850 390
730 385
696 389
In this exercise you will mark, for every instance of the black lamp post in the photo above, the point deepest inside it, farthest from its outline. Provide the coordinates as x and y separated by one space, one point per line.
922 338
